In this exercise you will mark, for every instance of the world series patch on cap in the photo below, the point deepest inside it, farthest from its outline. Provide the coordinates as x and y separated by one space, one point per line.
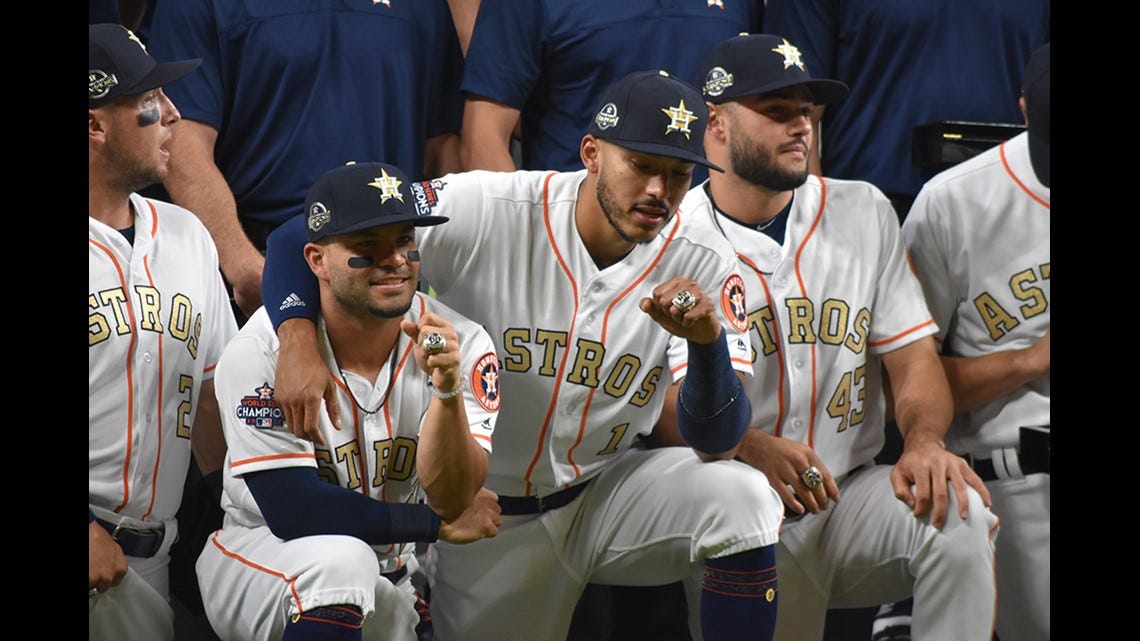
654 113
360 196
750 65
119 65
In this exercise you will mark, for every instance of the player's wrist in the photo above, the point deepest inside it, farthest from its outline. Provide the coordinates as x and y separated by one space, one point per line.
455 391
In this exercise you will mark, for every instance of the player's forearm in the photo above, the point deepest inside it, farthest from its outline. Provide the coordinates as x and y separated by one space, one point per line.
980 379
441 155
923 404
207 441
450 463
288 286
713 410
196 183
485 141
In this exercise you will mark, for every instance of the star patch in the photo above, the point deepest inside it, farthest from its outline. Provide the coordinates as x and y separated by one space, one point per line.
791 55
717 3
679 117
389 186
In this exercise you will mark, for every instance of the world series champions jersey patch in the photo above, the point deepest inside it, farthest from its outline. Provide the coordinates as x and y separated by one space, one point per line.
260 410
426 195
732 301
485 382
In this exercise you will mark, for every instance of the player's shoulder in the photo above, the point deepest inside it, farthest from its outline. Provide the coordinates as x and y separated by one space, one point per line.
464 326
528 186
168 217
981 169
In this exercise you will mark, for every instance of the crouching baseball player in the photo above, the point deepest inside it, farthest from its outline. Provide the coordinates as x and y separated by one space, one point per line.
318 538
608 313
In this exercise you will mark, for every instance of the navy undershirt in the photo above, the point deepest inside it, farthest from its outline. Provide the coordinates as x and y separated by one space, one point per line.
775 227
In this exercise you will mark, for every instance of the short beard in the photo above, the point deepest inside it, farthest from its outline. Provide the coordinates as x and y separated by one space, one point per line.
356 303
756 166
609 206
128 173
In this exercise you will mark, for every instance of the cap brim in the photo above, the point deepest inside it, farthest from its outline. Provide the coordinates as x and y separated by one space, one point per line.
823 92
384 221
164 73
669 151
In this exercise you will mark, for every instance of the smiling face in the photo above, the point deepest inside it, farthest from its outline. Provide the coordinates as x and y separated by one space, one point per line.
769 137
383 287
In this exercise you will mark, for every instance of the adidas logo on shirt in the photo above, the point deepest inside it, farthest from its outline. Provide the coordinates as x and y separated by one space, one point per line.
292 300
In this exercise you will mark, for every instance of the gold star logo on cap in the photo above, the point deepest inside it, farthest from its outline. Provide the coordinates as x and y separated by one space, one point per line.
679 117
389 186
791 55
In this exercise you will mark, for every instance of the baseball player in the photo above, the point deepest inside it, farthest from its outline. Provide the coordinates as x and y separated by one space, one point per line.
158 318
600 299
319 539
831 304
993 311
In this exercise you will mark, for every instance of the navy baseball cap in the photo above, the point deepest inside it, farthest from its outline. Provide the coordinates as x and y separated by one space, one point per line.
1035 90
750 65
360 196
654 113
118 65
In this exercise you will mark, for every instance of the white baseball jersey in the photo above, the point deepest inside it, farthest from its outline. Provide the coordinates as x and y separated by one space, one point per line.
159 317
584 372
581 384
242 567
978 238
822 307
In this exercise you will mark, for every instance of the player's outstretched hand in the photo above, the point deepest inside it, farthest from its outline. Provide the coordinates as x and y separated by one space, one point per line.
927 466
442 366
106 564
783 461
303 380
699 324
480 520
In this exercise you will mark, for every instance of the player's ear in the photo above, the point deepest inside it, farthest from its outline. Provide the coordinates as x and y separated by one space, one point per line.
717 124
95 129
316 255
590 150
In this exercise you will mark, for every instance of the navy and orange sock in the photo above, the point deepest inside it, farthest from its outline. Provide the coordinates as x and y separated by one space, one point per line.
738 596
326 623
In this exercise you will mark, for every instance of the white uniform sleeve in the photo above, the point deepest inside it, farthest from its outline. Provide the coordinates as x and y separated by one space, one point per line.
256 434
445 250
925 236
483 395
901 316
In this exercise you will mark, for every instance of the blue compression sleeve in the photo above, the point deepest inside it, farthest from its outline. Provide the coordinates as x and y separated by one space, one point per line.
288 287
296 502
712 409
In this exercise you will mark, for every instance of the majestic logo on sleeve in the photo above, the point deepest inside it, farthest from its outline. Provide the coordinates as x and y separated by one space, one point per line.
485 382
260 410
732 301
426 195
679 117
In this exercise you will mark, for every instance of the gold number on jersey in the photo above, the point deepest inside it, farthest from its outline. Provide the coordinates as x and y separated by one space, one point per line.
185 384
615 440
847 401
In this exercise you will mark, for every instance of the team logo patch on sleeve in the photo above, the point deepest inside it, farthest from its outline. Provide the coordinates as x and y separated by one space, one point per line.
426 194
732 301
485 382
260 410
